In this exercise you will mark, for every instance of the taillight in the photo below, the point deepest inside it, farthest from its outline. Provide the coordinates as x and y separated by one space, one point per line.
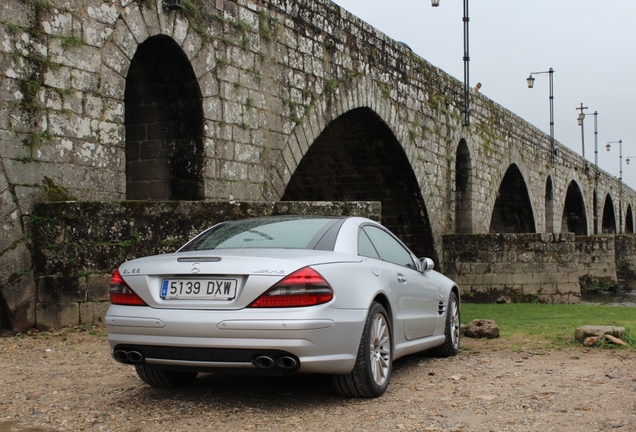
121 293
304 287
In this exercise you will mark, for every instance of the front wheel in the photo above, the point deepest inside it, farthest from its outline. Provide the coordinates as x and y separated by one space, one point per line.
452 330
372 371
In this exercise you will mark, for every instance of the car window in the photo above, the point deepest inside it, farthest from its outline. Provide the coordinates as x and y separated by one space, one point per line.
289 233
388 247
365 247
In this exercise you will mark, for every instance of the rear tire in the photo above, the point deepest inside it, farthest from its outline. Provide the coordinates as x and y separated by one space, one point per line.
372 371
452 330
157 377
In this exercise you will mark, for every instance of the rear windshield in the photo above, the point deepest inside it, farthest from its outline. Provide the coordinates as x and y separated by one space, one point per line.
280 233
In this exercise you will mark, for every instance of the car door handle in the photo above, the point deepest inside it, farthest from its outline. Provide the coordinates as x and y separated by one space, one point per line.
401 278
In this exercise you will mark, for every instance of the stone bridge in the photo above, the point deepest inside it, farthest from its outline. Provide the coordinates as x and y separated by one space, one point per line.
251 100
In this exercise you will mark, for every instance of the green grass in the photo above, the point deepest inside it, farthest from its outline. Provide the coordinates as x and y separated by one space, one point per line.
551 323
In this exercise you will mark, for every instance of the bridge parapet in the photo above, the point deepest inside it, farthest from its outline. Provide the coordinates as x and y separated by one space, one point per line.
524 267
74 257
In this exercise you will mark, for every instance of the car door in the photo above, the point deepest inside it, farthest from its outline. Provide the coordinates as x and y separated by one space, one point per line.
416 296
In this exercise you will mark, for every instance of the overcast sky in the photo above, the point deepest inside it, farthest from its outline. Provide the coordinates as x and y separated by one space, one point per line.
590 44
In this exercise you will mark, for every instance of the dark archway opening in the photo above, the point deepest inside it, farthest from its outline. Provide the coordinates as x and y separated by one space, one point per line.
164 124
629 220
463 206
357 158
6 319
549 206
513 211
595 204
609 217
574 219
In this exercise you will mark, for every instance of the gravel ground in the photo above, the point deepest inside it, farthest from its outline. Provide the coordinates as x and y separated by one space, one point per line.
66 381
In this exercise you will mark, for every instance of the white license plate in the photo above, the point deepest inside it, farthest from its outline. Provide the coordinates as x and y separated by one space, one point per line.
205 289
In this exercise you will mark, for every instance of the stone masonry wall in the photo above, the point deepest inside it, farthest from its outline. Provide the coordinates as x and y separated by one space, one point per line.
77 246
626 259
596 260
268 77
524 267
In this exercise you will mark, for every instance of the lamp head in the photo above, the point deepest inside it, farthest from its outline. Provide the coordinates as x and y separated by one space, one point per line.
530 81
434 3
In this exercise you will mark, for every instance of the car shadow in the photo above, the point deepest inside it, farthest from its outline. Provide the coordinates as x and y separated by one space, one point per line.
239 391
231 391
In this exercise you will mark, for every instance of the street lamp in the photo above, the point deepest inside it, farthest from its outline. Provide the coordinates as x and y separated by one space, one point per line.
608 146
466 20
580 119
530 81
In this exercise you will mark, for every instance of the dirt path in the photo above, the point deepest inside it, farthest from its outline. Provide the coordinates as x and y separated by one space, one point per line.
68 382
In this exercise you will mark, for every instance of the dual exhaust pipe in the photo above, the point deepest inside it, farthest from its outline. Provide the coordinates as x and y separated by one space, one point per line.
283 362
128 357
262 361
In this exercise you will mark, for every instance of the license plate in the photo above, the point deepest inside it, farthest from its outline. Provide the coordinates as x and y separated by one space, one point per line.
204 289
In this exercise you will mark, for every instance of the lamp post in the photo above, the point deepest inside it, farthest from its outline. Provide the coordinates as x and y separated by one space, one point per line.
466 20
580 119
608 146
530 81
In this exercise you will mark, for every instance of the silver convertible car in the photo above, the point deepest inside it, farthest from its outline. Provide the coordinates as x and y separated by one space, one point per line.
283 294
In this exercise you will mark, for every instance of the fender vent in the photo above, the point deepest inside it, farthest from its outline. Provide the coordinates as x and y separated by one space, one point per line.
441 308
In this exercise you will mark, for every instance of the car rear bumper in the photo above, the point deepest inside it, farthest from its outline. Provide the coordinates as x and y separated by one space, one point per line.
320 340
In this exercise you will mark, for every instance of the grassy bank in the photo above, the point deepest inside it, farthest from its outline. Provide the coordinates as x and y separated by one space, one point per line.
551 323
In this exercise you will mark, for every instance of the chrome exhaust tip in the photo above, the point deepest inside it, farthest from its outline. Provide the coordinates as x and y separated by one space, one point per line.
134 357
120 356
286 362
263 362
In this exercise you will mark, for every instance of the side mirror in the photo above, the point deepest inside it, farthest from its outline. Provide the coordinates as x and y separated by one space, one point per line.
426 264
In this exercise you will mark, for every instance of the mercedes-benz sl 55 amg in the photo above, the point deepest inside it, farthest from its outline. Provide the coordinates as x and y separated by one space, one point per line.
341 296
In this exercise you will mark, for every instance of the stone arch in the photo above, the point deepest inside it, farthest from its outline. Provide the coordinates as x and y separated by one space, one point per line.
629 220
164 124
463 189
608 225
549 205
574 218
358 158
512 212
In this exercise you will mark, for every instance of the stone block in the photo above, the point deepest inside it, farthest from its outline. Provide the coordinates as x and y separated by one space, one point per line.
494 278
57 315
521 278
61 289
549 278
10 227
470 279
93 312
18 292
98 289
569 288
20 318
531 289
14 264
